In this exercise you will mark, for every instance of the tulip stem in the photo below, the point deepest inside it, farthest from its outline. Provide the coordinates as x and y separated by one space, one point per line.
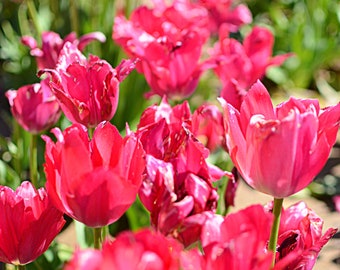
97 237
90 131
275 228
34 160
21 267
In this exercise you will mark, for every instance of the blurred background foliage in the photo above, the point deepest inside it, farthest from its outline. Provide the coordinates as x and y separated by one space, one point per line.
311 30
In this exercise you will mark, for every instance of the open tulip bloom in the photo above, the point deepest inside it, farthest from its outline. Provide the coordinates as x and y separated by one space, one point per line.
87 90
239 66
169 48
28 223
93 181
279 151
52 44
34 106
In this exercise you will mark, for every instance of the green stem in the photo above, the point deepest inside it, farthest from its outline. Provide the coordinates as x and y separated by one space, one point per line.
34 160
90 132
18 141
21 267
97 237
276 225
80 234
221 207
105 231
34 16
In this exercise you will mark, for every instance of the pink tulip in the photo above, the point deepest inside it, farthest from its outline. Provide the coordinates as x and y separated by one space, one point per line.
300 238
52 44
93 181
224 12
87 90
28 223
89 259
243 238
144 249
178 189
279 151
34 106
168 41
239 66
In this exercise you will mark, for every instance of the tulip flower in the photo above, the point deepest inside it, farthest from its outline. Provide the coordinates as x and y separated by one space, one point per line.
207 125
221 12
87 90
28 223
242 241
52 44
239 66
279 151
177 189
34 106
93 181
300 238
144 249
89 259
168 41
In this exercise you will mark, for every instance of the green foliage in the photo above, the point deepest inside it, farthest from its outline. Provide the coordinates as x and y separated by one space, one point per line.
310 30
53 258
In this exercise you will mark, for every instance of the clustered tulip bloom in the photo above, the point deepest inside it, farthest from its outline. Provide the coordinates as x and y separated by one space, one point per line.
239 66
47 56
242 242
93 181
243 239
34 106
87 90
279 151
169 48
177 173
300 237
28 223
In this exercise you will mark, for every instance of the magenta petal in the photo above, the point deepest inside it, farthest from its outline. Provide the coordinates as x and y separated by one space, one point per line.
28 223
211 231
107 144
29 42
235 138
257 101
87 38
198 189
125 68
